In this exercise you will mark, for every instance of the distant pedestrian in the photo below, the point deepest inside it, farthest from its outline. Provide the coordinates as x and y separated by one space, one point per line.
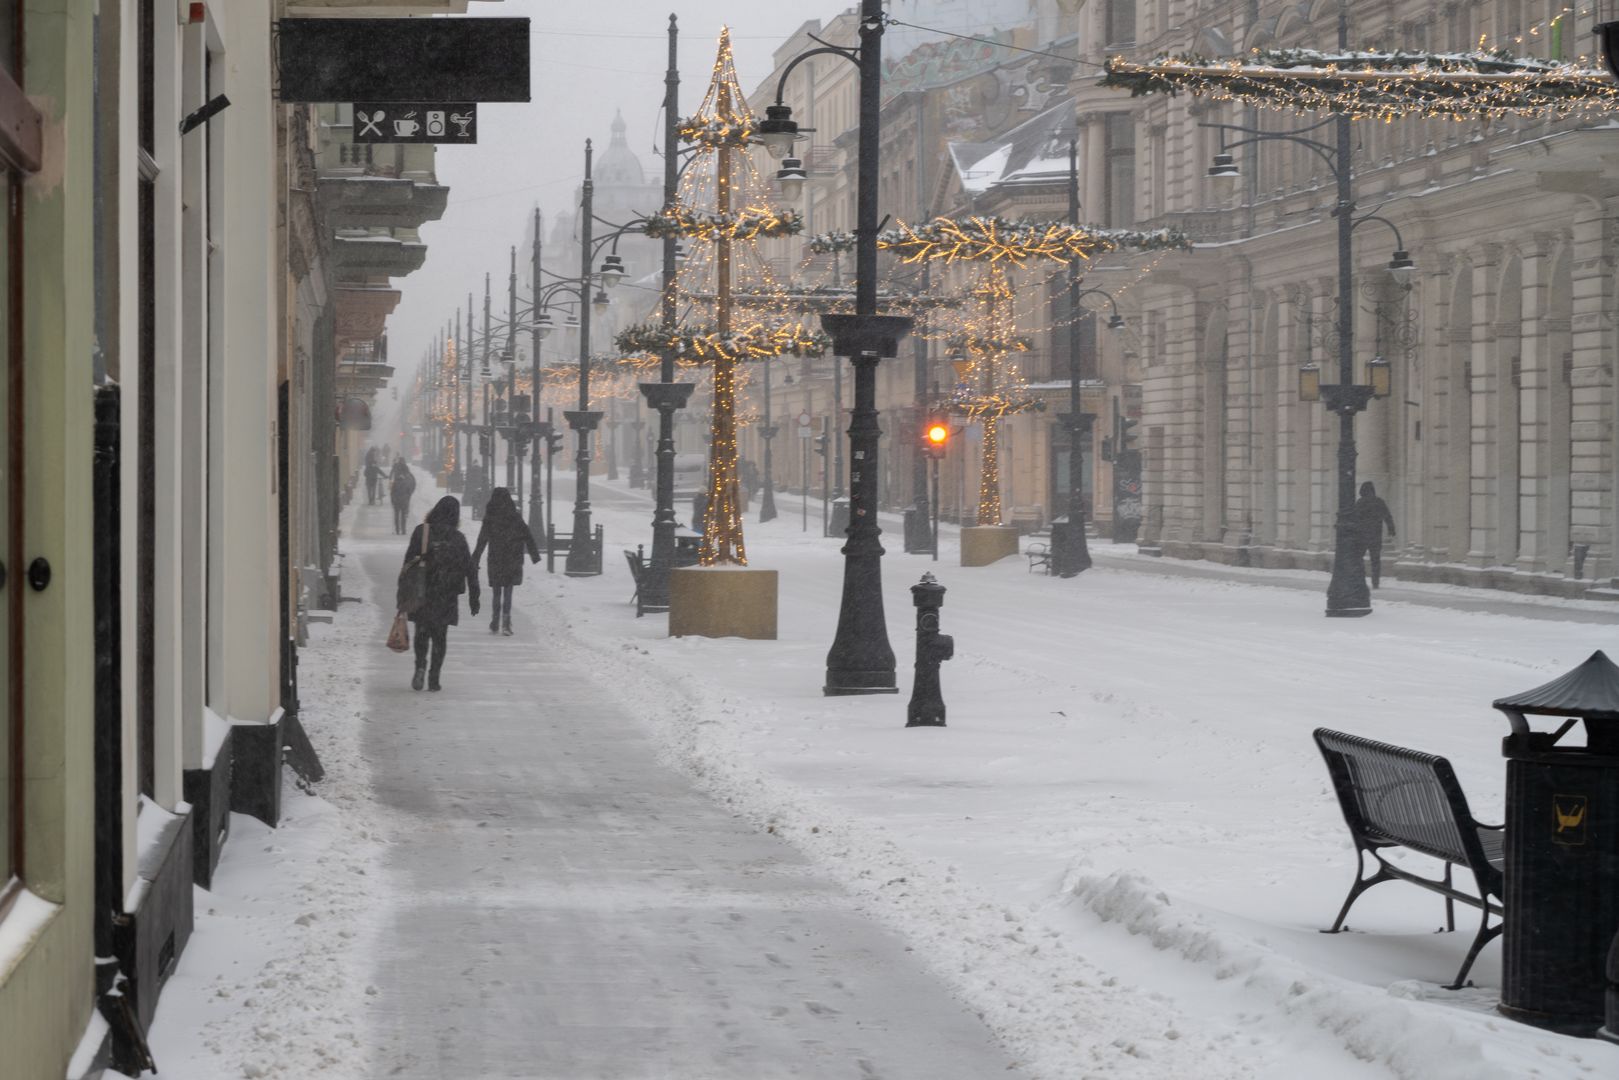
401 486
450 572
507 536
373 476
750 481
1366 521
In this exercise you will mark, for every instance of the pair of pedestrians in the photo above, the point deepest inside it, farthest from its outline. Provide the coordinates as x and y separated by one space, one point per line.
452 570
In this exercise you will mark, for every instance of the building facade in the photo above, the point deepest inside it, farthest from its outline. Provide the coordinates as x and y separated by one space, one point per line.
1496 448
179 331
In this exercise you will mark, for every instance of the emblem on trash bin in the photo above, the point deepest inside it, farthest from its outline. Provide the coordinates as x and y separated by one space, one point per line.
1569 810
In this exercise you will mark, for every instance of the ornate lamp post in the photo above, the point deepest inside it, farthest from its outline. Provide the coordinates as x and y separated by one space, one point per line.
1348 595
861 660
666 396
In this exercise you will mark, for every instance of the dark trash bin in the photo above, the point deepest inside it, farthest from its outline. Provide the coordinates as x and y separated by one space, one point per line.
1070 554
918 531
839 525
1562 851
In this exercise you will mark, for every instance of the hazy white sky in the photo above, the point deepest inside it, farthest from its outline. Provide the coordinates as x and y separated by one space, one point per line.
590 58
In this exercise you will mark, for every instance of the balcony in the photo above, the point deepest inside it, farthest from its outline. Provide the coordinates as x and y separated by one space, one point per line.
360 202
374 256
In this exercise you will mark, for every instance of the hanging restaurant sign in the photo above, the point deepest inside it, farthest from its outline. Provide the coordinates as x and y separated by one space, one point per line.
415 122
403 60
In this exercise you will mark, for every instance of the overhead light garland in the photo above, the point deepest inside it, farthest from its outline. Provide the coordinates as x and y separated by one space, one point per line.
999 239
752 223
1377 85
705 344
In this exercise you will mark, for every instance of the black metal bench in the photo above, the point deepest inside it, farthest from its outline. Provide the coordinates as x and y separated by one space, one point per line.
637 561
1395 797
1039 555
558 543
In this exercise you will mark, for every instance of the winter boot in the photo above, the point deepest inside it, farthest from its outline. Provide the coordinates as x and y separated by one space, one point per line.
416 679
494 622
506 626
432 681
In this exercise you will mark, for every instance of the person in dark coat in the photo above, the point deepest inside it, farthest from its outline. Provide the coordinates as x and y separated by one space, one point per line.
401 486
450 572
373 476
507 536
1367 519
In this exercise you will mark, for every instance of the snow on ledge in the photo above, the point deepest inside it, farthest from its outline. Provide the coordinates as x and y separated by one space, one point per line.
21 926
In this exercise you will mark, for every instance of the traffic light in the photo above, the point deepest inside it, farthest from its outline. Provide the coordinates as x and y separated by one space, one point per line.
553 442
484 446
935 437
820 445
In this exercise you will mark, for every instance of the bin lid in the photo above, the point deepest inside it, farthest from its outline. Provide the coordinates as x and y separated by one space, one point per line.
1589 692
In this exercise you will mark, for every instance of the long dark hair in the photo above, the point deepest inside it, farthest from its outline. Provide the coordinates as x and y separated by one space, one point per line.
501 508
446 512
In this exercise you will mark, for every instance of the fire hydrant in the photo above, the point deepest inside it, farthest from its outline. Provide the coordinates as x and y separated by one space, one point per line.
932 648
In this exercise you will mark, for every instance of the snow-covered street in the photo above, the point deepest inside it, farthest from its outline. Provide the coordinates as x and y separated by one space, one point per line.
602 852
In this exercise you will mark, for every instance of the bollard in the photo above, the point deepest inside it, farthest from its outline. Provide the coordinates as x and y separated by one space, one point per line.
932 648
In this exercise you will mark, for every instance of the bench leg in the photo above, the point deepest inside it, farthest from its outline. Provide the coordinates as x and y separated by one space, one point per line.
1486 934
1450 905
1362 883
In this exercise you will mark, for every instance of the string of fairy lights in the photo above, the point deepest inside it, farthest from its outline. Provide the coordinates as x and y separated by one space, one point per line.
1481 85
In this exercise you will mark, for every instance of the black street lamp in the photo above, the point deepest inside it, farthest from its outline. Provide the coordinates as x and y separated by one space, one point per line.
666 396
582 556
1347 594
1070 554
861 660
767 501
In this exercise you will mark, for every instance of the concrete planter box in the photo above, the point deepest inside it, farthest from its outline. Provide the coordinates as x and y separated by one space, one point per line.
984 544
722 602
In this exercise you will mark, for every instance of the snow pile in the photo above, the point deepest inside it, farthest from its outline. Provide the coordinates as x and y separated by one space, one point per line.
1121 850
272 984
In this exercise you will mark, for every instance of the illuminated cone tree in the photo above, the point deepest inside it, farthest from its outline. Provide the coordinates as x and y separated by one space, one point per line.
723 213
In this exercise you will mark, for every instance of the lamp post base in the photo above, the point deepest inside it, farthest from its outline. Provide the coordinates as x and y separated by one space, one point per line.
1348 596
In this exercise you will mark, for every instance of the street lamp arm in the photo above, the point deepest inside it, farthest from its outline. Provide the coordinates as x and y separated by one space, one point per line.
1112 303
1399 242
851 55
1327 153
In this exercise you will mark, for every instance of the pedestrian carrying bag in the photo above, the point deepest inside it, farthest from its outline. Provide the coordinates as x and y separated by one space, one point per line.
399 633
412 594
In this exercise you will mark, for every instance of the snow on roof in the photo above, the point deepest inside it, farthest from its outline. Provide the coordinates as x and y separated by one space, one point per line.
1034 152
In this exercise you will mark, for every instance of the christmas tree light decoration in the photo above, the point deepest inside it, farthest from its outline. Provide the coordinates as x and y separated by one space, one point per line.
1378 85
723 210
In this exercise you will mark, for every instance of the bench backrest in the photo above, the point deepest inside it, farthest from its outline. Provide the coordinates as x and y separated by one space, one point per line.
1390 794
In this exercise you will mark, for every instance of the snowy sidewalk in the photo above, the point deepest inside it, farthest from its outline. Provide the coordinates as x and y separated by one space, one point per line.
560 905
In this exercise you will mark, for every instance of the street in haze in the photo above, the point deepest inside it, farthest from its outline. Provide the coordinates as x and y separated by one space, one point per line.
922 539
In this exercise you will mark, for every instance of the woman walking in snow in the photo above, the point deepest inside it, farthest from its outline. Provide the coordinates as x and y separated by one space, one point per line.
450 572
507 536
401 486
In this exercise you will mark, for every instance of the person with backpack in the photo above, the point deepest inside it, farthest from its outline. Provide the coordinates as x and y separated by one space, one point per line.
401 486
444 572
507 536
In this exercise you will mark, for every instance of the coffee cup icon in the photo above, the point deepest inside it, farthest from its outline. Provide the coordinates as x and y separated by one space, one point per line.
407 127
